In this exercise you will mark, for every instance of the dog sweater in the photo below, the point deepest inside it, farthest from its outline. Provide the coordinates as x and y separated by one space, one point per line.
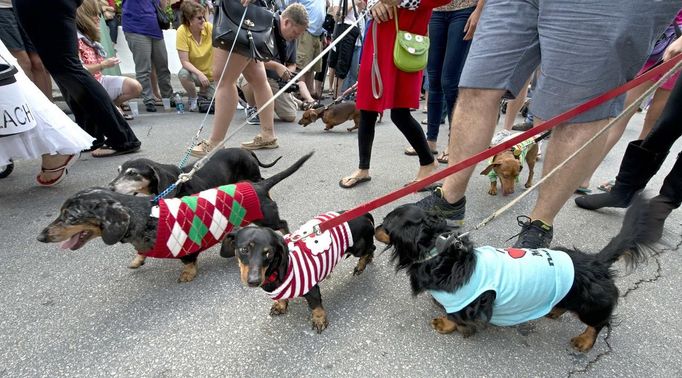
519 150
312 258
194 223
528 283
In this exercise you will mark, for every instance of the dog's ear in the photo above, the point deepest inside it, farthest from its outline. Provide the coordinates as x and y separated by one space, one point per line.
381 235
281 250
489 168
228 247
114 224
164 178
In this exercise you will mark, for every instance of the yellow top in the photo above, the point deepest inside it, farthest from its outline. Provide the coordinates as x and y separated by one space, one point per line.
200 54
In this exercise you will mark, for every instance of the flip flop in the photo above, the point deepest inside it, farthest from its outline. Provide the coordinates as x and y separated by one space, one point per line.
128 117
607 186
106 151
409 151
354 181
443 158
64 169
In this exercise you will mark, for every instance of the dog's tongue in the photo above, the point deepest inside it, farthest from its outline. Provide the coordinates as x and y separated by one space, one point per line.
68 244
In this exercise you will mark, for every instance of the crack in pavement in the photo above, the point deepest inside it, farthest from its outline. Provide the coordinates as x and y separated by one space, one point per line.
637 285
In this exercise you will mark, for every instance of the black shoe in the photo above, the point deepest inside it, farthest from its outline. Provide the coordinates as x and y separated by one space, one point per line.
535 234
151 108
523 126
436 205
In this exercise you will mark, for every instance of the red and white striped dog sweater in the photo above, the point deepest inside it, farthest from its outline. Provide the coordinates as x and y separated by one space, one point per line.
312 258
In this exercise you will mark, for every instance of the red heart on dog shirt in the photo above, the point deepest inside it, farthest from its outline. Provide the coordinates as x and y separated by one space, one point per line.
516 253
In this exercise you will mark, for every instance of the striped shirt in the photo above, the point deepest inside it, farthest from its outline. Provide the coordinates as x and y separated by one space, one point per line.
311 259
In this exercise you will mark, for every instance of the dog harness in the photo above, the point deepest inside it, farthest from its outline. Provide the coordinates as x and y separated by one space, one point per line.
528 283
312 258
194 223
519 150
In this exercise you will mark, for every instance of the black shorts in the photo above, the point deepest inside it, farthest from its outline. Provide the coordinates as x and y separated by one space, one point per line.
12 34
342 56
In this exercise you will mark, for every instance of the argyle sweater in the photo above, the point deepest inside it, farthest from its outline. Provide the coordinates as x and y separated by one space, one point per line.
194 223
528 283
311 259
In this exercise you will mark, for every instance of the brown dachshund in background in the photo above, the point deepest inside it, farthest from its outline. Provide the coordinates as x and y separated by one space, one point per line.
507 166
334 115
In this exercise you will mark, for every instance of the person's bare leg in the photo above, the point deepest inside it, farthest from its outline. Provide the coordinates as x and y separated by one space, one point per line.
515 105
566 139
24 62
155 84
131 89
473 125
52 162
188 86
654 112
254 73
616 131
40 75
226 96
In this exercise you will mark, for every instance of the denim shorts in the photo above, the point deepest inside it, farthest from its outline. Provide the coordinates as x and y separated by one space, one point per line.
583 48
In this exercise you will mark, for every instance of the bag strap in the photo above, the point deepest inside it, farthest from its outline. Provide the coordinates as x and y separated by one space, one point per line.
395 17
377 83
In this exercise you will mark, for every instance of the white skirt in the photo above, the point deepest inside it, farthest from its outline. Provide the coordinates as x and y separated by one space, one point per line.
55 132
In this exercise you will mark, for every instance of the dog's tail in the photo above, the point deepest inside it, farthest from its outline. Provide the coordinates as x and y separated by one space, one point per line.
632 241
268 183
263 165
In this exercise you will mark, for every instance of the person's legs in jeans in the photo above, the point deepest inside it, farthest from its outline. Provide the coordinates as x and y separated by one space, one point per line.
58 51
447 54
160 62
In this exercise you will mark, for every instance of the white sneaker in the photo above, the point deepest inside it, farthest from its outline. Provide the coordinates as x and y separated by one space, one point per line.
500 137
240 106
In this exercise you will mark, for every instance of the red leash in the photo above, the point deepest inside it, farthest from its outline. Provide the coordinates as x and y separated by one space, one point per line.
563 117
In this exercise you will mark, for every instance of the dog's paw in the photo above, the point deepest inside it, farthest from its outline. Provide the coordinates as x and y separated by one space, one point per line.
492 191
279 307
443 325
137 262
585 341
188 273
555 313
582 344
362 264
319 319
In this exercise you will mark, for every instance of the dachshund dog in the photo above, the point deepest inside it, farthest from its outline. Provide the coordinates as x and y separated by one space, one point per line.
292 266
481 285
507 166
227 166
178 228
335 115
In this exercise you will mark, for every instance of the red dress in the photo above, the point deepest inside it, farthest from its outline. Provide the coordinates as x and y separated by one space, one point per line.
401 89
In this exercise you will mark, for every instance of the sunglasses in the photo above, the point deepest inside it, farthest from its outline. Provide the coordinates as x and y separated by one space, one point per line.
200 18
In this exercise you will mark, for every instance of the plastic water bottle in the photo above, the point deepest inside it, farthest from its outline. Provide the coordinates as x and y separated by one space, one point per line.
179 105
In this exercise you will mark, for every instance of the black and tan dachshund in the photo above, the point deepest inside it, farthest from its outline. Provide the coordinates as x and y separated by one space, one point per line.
227 166
288 267
475 291
120 218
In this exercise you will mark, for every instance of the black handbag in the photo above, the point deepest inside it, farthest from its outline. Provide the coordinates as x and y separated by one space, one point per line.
161 16
255 39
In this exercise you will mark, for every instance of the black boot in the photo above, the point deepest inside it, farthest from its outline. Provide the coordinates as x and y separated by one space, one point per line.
668 200
636 169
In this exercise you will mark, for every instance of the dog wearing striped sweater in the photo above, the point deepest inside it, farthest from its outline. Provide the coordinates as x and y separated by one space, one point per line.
293 265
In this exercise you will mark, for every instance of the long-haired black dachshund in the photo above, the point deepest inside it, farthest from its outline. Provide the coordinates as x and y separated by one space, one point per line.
476 291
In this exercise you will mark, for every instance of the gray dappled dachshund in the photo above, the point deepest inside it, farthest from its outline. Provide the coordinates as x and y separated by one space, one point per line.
227 166
178 228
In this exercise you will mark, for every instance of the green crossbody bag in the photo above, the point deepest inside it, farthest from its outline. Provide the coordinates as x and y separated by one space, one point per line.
410 51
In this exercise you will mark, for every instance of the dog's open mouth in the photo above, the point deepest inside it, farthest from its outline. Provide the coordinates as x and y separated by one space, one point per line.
76 240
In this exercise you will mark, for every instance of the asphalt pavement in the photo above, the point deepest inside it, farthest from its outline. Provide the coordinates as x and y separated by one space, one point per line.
84 313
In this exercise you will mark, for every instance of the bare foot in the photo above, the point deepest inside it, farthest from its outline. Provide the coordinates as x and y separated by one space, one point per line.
426 170
359 176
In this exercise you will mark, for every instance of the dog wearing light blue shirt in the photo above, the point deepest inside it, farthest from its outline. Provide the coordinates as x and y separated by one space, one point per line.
484 285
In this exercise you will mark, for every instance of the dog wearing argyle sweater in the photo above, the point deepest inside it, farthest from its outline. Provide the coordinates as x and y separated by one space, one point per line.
293 265
178 228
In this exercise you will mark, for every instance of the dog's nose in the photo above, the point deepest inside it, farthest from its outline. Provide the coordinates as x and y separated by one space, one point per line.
253 282
43 236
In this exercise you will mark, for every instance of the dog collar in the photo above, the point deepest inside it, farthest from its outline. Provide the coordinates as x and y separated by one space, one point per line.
443 241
